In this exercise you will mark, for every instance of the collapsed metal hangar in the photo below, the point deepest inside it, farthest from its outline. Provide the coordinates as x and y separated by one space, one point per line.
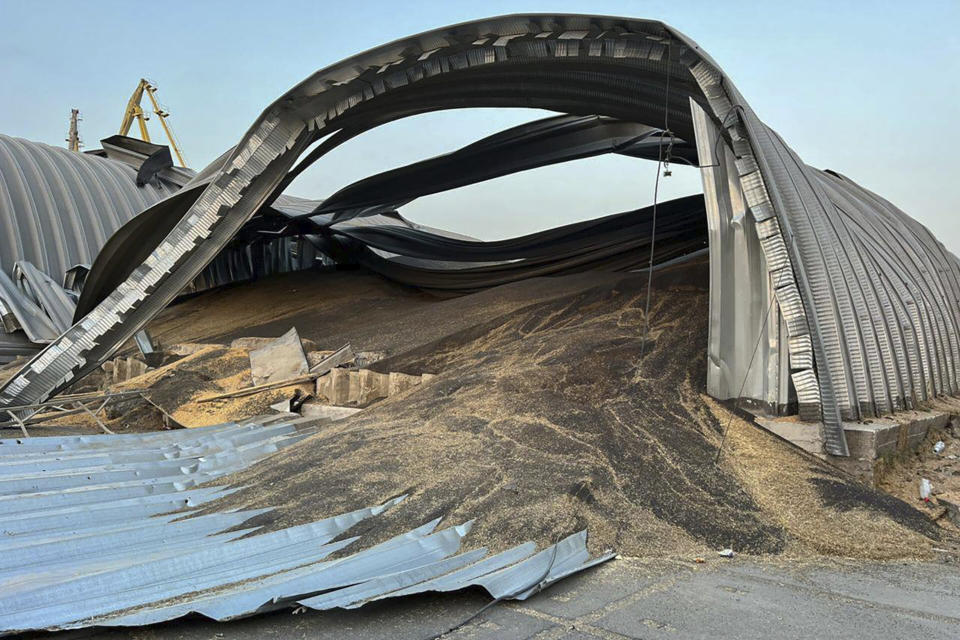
825 298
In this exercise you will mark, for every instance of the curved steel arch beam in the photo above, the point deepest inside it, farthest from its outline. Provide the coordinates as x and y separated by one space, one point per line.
576 64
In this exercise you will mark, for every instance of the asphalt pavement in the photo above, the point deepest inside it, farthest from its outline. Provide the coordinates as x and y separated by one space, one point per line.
632 599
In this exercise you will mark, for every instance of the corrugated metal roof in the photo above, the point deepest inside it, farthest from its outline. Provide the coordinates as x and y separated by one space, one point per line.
57 207
105 530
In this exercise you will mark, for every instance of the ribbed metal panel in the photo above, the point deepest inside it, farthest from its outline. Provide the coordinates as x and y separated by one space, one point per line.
106 531
58 207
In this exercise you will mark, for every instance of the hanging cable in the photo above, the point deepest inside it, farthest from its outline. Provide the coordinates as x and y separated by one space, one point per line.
663 160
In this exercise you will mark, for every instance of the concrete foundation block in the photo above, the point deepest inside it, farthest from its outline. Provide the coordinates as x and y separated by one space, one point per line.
353 393
874 442
119 370
400 382
871 442
873 438
339 389
322 387
373 386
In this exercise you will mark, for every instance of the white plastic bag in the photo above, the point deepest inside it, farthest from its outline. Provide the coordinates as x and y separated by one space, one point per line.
925 489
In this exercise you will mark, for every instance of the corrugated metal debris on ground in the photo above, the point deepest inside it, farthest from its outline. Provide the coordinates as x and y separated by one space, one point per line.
95 533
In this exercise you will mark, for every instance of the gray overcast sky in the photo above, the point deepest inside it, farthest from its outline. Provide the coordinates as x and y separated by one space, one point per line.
867 88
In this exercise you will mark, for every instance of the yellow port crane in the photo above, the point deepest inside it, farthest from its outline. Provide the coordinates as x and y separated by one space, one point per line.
134 110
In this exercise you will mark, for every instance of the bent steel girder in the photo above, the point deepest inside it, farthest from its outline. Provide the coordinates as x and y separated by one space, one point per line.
527 146
589 65
682 216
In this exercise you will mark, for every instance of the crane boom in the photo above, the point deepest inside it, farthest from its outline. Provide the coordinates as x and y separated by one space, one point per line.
135 112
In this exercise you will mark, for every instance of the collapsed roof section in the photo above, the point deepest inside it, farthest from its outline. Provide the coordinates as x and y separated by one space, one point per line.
361 223
104 531
57 210
864 302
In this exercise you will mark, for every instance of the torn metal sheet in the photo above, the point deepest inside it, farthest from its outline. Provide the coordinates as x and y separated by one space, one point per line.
282 359
57 210
107 531
56 302
21 312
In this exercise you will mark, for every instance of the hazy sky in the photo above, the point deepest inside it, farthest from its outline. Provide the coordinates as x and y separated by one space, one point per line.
867 88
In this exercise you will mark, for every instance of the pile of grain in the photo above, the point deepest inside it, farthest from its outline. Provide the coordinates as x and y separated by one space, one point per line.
546 419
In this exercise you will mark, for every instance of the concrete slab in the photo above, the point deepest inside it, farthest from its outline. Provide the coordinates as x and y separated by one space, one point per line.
871 442
806 435
718 604
742 598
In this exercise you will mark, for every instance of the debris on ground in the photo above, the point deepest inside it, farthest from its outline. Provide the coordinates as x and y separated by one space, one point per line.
124 368
540 415
541 388
903 476
280 359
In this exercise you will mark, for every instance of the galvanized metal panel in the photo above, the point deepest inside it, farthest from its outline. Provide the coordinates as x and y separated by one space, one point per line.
96 556
58 207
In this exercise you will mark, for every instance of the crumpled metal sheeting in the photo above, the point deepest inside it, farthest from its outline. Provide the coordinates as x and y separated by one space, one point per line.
528 146
55 301
101 554
34 310
514 574
418 561
613 243
22 313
